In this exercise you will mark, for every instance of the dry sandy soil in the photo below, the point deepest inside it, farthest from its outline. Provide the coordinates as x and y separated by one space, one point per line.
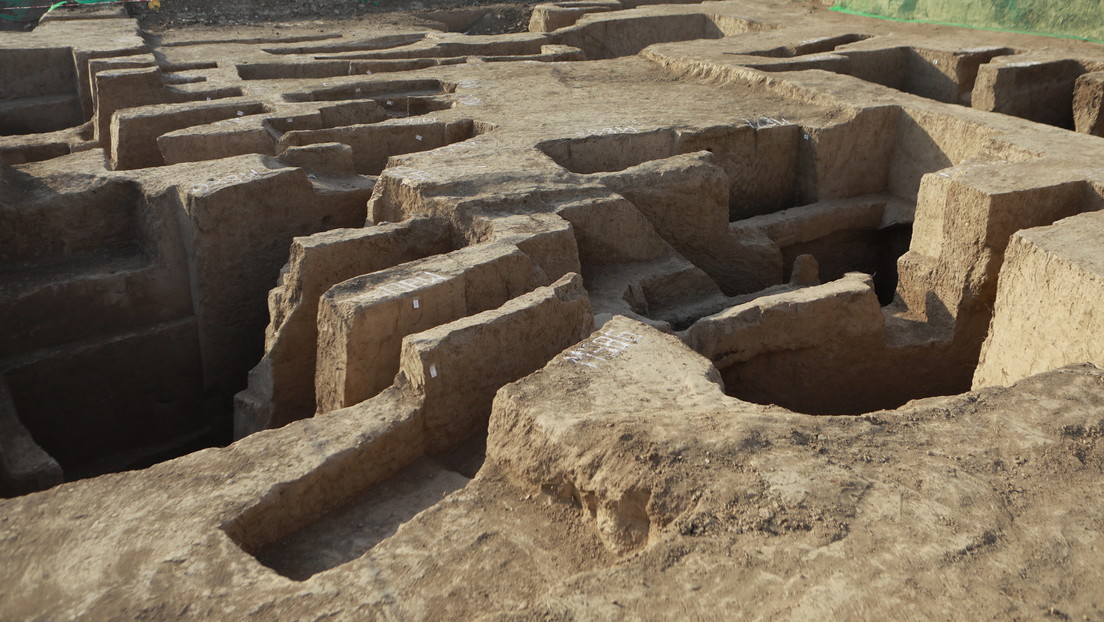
734 310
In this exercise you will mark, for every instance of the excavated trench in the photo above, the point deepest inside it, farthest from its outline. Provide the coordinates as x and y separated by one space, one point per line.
822 348
768 200
350 530
1045 88
459 306
39 101
811 260
769 193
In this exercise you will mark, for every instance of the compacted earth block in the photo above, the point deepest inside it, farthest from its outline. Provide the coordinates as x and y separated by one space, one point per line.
738 309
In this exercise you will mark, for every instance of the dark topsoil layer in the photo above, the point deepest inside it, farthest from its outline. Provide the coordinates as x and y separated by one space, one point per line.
477 17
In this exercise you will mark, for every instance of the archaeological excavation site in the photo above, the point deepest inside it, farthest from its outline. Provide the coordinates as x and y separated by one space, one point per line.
617 310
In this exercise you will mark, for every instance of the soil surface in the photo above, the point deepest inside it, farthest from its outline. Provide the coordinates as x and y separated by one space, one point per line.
673 312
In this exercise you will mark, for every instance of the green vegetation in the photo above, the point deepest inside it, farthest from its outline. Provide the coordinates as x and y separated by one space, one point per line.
1081 19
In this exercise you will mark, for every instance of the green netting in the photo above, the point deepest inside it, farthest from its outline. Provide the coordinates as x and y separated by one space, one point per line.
1075 19
24 14
65 2
14 12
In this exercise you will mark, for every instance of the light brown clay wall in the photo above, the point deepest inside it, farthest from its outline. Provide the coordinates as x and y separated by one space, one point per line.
1038 90
281 387
1047 312
963 223
237 238
1088 104
374 144
362 321
451 374
460 365
41 99
134 131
